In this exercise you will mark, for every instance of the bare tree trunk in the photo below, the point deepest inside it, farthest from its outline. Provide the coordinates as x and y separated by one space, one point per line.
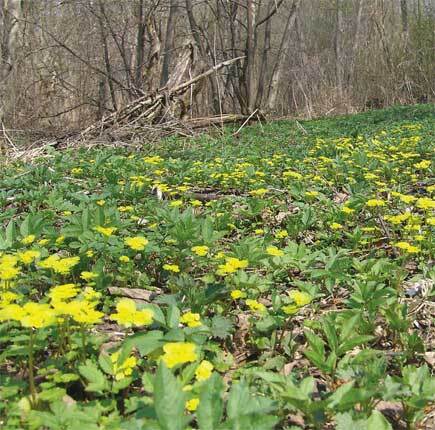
404 16
140 39
107 63
250 56
10 14
282 55
169 42
356 42
339 66
196 34
264 58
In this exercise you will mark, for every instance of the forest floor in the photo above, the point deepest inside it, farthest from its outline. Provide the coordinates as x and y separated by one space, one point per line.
279 278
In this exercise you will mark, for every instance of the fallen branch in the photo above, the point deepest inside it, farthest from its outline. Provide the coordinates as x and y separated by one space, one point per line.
145 106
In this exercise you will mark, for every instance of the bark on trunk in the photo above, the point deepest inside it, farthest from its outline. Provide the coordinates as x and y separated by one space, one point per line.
339 69
10 14
282 55
169 42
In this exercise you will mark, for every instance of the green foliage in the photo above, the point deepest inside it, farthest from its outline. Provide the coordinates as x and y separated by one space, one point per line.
280 279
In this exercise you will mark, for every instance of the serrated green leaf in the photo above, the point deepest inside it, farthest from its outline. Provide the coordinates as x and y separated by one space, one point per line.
210 409
97 382
169 400
221 327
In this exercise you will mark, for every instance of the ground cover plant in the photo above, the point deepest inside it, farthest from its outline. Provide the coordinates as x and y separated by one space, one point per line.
279 279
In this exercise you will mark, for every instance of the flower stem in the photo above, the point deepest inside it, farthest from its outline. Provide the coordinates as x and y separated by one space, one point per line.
30 363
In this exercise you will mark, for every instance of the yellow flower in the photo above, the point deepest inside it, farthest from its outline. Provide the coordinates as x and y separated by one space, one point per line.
28 239
201 251
300 298
375 203
407 247
136 243
176 203
100 202
62 292
60 240
425 203
430 221
259 193
311 193
43 242
59 265
191 319
90 294
192 404
407 199
37 315
237 294
255 306
281 234
8 272
82 311
28 257
259 231
347 210
178 353
204 370
274 251
335 226
171 268
291 174
425 164
105 231
125 208
124 259
127 314
88 276
11 312
290 309
122 370
90 253
196 203
231 265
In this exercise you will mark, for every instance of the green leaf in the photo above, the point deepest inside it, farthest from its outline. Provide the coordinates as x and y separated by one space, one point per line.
173 316
330 333
339 394
221 327
146 343
241 402
169 400
251 422
348 327
354 341
377 421
316 343
11 233
210 409
97 382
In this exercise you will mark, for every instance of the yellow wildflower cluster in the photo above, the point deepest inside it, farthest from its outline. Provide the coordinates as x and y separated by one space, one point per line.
191 319
136 243
231 265
128 315
124 369
300 299
201 251
178 353
59 265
